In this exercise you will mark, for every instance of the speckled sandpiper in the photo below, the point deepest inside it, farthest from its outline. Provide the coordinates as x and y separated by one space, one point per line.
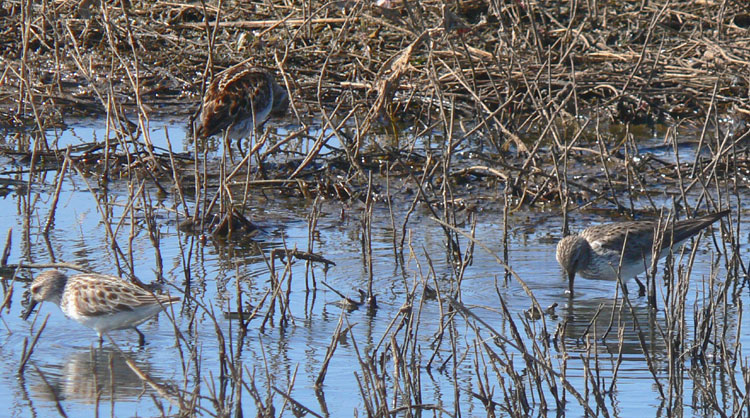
239 99
98 301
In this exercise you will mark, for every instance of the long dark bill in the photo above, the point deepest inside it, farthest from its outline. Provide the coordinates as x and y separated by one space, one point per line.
571 277
28 312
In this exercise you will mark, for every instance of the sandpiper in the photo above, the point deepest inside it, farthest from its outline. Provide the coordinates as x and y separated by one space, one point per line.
98 301
595 252
239 99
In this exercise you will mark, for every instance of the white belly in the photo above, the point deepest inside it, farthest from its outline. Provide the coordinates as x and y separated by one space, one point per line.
113 321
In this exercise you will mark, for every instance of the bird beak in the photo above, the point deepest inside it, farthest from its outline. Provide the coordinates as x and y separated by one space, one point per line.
32 305
571 277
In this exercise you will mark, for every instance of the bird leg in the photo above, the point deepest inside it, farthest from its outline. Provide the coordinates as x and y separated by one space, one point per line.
141 337
641 288
228 147
571 278
624 287
239 147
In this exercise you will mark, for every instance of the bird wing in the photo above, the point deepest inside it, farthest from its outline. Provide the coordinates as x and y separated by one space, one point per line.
687 228
104 295
611 237
232 96
640 235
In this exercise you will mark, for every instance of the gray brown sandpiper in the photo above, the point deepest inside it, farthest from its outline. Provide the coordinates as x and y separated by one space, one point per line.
595 252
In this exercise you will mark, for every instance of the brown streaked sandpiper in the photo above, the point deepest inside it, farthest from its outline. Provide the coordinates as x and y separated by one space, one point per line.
239 99
595 252
98 301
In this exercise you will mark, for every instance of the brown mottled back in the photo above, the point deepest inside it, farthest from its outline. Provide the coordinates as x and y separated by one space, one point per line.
239 93
94 295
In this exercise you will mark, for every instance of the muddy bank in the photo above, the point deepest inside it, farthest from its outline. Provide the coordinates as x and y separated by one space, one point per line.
512 64
536 102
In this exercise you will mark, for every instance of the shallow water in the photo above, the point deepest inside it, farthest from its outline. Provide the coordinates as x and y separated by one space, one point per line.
67 365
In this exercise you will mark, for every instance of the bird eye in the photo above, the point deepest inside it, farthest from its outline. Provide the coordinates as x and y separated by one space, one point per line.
35 289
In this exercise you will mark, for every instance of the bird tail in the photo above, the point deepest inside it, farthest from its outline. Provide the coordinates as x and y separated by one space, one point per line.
687 228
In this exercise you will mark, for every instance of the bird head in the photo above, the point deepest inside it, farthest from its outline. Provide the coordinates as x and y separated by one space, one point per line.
573 251
47 286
